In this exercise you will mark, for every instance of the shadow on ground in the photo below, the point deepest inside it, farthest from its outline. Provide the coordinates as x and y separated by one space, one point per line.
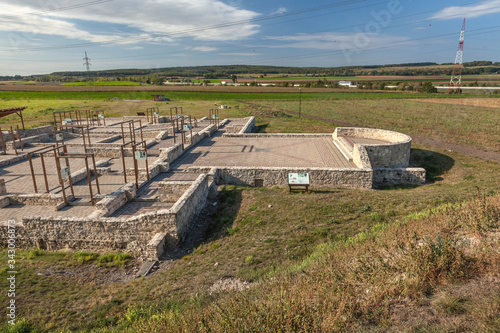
435 164
212 223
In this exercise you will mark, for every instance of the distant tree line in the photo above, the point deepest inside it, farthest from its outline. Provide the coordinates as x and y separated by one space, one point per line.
186 74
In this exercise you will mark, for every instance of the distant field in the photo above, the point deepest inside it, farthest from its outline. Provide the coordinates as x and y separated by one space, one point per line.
207 93
110 83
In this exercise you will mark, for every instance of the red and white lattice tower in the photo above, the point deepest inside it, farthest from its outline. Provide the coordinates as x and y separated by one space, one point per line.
456 76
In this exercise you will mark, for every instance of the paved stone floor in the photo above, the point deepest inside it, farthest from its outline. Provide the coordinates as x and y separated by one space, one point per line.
265 152
134 208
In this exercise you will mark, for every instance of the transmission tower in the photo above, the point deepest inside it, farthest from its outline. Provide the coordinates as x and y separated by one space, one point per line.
456 76
87 62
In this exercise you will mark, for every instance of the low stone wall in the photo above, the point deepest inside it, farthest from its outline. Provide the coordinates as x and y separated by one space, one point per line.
394 154
82 173
55 233
360 157
42 130
112 202
96 233
37 199
190 204
319 177
155 247
249 126
144 119
171 191
104 150
276 135
110 139
13 159
404 176
48 129
171 153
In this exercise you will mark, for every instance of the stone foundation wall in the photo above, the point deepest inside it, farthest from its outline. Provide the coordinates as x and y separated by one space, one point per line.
96 233
112 202
319 177
394 154
37 199
190 204
171 191
403 176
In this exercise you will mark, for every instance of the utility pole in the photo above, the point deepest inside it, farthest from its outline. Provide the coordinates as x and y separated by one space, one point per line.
87 63
456 76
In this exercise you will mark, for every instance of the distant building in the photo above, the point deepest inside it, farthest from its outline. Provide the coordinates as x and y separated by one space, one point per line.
347 84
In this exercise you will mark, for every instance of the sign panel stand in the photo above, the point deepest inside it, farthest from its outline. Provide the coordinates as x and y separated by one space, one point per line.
298 182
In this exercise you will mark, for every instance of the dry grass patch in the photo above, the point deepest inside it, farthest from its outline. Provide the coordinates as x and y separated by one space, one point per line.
481 102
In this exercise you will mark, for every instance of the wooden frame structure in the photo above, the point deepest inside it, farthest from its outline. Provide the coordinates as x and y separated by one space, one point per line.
85 156
214 117
154 113
82 127
66 156
133 144
18 111
13 136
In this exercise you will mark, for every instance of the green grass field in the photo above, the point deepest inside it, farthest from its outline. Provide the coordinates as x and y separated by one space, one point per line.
221 96
105 83
403 258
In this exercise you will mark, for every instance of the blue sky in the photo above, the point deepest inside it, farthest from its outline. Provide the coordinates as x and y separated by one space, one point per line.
44 36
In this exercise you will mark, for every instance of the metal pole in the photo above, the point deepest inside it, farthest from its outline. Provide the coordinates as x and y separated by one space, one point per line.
146 150
88 136
32 173
123 134
95 175
89 181
3 142
13 139
300 100
19 136
124 167
45 173
140 126
67 165
61 181
135 167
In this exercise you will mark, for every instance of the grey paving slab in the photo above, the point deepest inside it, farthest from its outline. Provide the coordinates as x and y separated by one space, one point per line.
134 208
265 152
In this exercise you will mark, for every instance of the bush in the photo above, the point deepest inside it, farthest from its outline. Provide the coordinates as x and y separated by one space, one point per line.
427 87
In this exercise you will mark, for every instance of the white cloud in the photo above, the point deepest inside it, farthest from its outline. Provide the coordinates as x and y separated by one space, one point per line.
250 54
160 20
484 8
280 11
336 41
204 48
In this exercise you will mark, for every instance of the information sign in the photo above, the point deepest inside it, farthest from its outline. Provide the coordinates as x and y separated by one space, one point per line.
298 179
67 121
140 155
65 173
59 137
156 114
215 116
187 127
101 116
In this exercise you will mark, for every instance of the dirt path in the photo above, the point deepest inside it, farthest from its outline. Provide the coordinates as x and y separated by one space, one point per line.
462 149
